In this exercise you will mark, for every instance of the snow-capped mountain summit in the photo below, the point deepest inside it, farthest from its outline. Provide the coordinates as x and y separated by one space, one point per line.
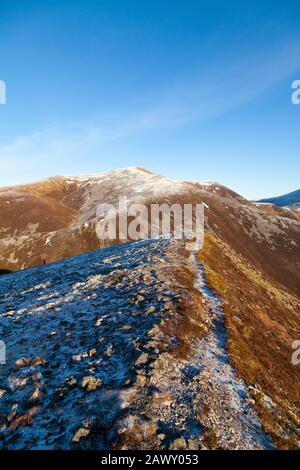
56 218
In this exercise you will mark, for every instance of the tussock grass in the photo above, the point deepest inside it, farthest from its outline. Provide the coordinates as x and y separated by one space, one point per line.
262 320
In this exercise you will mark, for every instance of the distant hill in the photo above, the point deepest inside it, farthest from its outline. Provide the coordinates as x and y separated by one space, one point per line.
286 200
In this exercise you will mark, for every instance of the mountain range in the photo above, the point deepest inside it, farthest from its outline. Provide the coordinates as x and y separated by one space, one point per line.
287 200
183 350
56 218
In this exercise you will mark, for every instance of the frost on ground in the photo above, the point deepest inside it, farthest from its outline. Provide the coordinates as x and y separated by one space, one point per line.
104 351
226 399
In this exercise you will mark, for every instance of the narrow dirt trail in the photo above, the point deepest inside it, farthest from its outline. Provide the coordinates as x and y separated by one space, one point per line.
197 402
224 397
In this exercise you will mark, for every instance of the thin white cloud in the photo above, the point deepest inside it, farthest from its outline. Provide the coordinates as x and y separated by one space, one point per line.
202 94
223 85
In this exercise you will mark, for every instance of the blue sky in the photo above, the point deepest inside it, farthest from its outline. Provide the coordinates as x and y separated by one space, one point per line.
197 90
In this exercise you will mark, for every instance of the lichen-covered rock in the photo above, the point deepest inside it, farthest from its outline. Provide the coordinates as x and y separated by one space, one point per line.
91 383
193 444
71 382
38 361
22 362
151 309
179 444
81 433
36 395
142 359
126 328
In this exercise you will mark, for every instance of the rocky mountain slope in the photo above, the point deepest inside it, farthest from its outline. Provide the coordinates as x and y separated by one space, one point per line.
120 348
214 329
56 218
286 200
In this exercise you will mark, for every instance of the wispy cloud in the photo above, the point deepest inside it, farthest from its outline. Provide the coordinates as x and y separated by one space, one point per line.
199 95
223 85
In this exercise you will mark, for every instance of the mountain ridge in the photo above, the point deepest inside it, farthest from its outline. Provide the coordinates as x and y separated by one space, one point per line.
238 299
57 218
286 200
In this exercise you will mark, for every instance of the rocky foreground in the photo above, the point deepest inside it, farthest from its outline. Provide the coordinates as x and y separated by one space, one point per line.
122 348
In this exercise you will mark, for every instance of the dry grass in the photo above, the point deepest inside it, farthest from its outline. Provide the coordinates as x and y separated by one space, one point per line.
24 419
262 319
187 319
210 439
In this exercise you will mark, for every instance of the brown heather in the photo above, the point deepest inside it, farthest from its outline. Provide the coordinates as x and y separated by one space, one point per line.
262 320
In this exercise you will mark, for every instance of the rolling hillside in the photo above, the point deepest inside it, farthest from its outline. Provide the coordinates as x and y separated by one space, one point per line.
183 350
